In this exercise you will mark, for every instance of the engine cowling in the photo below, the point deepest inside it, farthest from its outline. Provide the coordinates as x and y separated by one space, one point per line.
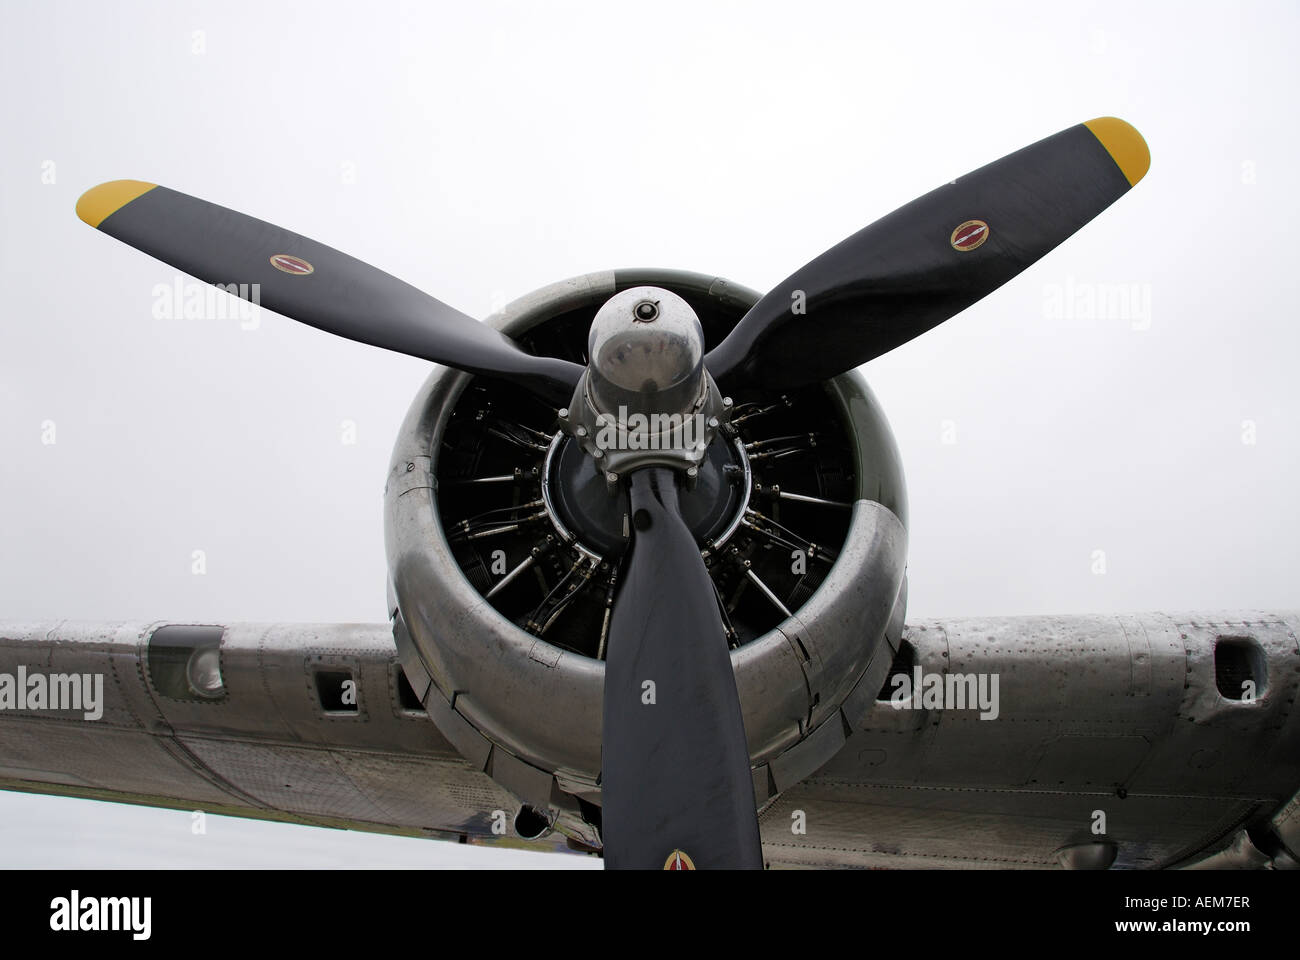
503 555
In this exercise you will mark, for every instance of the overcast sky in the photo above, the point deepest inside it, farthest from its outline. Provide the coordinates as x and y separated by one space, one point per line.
482 150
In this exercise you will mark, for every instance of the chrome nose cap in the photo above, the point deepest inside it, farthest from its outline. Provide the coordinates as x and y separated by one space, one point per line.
646 349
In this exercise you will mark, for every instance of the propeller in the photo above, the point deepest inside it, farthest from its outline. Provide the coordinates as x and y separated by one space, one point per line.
930 259
676 783
312 283
676 788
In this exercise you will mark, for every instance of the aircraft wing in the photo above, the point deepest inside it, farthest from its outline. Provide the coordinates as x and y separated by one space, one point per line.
283 738
1143 741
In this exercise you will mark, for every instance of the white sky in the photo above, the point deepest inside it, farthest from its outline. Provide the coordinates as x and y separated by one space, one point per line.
493 148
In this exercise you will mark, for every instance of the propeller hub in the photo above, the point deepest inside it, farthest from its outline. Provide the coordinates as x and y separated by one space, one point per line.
647 354
646 398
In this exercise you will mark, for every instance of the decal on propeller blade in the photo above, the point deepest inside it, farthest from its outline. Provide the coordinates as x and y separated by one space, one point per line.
969 235
679 861
294 265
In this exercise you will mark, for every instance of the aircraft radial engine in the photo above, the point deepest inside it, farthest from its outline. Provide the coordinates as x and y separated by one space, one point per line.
507 544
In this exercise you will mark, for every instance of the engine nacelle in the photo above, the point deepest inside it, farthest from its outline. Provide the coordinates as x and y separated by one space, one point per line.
503 553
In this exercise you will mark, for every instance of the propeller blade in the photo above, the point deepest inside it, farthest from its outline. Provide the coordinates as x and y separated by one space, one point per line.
676 785
931 259
312 283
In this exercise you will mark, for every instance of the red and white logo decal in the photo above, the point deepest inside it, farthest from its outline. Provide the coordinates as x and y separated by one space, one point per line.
678 861
969 235
294 265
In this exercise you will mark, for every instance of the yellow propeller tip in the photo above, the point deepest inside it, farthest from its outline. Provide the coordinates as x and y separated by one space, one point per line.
1125 146
98 202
